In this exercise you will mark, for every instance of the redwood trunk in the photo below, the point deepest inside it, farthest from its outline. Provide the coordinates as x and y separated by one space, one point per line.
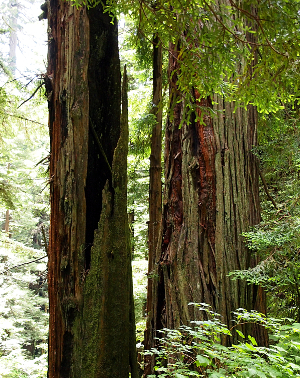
155 186
155 189
90 293
211 198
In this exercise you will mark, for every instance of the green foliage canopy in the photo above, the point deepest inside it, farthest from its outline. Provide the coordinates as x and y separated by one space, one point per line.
247 52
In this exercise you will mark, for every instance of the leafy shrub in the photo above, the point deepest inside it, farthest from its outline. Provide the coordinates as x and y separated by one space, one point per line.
196 350
278 244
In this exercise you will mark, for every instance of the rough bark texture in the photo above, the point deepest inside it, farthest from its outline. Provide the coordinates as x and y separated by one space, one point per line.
90 294
155 190
155 184
210 199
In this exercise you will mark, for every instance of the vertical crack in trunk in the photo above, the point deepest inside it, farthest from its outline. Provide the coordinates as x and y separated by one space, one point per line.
104 116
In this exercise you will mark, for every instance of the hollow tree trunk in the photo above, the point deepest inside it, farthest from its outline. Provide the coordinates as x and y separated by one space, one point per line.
91 330
210 199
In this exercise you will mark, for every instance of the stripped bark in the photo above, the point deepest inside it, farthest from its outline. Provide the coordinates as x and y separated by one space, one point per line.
210 199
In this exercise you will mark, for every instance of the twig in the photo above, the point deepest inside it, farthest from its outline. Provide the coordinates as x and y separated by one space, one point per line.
42 161
99 143
228 30
267 190
26 263
40 86
45 240
23 118
261 27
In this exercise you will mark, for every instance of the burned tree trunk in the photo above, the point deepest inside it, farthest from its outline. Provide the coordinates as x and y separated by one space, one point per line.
91 313
210 199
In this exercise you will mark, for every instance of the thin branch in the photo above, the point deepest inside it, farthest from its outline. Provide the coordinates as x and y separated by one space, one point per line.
39 87
23 118
99 143
260 26
42 161
227 29
45 240
30 81
267 190
4 69
26 263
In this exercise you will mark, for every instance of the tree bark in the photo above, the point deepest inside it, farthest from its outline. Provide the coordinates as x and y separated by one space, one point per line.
6 226
210 199
155 187
91 330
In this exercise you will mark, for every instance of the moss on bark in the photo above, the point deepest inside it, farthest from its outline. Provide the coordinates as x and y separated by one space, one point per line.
91 329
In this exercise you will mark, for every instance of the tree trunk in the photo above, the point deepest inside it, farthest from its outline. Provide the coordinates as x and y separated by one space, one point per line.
155 189
155 185
7 214
91 330
6 226
13 24
210 199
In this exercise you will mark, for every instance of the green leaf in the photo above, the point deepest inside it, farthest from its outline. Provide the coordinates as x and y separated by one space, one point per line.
240 333
202 361
252 339
252 372
294 366
250 346
261 374
255 372
216 375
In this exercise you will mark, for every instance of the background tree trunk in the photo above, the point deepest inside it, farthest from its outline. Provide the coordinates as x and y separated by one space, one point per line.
13 38
155 185
90 292
6 226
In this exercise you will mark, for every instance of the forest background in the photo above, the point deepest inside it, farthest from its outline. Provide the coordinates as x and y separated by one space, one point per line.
23 190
